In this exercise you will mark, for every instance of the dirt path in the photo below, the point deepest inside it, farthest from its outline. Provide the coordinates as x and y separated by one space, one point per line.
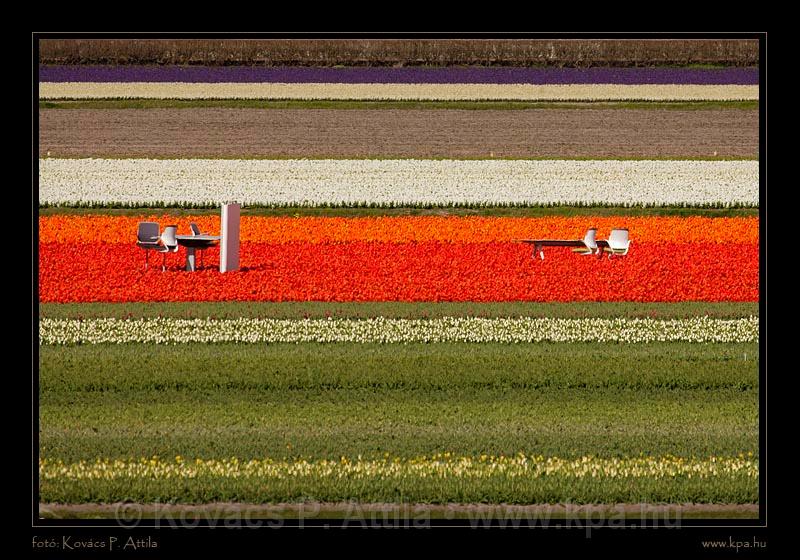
214 132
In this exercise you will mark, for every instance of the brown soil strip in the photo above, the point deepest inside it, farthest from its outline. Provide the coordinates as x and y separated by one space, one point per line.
390 52
557 133
310 510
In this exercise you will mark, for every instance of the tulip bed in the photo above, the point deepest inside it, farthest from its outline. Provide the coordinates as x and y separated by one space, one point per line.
536 84
388 338
388 331
407 259
396 183
408 75
455 92
78 228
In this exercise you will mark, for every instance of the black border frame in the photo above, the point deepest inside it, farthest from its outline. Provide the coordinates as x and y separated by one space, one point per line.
559 534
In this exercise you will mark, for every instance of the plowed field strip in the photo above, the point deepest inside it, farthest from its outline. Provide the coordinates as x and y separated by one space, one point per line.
212 132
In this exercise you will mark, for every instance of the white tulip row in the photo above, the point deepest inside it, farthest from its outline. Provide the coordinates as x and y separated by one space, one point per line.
383 330
441 92
397 92
197 182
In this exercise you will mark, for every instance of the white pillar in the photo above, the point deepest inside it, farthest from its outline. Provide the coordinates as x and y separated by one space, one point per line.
190 267
229 244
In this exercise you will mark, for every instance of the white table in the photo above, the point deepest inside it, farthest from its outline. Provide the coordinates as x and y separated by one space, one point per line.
193 242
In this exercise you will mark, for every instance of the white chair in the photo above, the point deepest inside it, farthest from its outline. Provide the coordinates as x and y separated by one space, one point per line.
147 239
590 241
618 242
169 244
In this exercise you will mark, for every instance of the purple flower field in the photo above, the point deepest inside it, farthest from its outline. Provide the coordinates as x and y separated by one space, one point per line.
450 75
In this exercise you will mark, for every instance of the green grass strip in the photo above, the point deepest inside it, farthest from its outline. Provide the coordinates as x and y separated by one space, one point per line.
323 401
300 310
326 424
200 370
410 104
291 402
533 212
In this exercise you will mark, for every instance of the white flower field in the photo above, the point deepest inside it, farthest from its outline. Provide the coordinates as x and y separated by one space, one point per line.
389 183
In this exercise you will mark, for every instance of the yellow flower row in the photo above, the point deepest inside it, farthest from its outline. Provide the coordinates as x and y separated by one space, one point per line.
509 330
443 466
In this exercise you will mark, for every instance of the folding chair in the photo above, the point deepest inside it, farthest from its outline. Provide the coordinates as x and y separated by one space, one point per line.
590 242
618 242
169 244
147 239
